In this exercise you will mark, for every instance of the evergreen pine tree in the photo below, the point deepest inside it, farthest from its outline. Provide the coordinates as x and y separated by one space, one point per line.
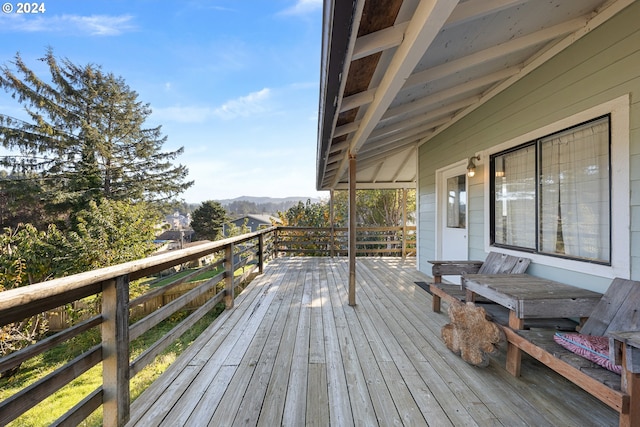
85 138
207 221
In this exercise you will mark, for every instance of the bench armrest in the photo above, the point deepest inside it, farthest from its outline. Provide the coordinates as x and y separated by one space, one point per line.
443 268
630 341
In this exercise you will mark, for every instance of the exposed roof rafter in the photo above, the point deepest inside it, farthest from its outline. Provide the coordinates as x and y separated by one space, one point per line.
419 66
379 41
442 96
357 100
428 18
496 52
611 9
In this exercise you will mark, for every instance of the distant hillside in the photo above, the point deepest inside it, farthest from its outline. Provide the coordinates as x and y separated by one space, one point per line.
262 205
261 200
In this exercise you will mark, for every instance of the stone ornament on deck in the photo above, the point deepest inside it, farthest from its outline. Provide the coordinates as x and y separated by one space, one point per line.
470 335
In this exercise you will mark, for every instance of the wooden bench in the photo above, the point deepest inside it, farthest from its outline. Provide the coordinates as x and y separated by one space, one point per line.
496 263
617 315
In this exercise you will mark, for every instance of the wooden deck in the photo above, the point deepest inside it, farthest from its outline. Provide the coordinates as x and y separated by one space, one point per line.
292 352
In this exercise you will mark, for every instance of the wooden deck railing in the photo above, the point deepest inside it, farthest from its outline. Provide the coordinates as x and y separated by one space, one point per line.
326 241
111 284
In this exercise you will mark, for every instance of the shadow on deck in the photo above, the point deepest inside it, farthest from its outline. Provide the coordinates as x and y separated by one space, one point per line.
292 352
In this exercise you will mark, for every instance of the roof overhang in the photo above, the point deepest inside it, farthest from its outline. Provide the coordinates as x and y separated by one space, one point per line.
396 73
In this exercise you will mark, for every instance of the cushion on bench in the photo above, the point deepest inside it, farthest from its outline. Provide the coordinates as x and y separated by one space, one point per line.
593 348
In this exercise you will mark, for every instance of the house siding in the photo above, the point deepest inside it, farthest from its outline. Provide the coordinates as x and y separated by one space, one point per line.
600 67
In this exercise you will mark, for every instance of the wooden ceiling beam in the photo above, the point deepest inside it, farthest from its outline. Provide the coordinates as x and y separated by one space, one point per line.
495 52
392 37
425 25
411 155
443 95
474 9
377 170
424 118
346 129
594 21
400 140
379 41
357 100
343 185
338 146
370 158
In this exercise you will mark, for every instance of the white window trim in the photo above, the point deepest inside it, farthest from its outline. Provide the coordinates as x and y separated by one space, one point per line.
620 213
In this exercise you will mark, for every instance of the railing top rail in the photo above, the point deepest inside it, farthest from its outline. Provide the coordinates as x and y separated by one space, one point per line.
360 228
88 283
22 302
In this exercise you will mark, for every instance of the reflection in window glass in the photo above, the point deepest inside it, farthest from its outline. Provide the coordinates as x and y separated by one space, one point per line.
457 202
574 192
515 205
553 195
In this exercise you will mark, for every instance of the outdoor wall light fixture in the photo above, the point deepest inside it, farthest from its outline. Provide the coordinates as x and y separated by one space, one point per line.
471 167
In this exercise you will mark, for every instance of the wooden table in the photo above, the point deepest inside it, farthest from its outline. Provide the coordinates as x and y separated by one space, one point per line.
527 296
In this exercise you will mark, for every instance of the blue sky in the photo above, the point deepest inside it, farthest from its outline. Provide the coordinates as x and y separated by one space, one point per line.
233 81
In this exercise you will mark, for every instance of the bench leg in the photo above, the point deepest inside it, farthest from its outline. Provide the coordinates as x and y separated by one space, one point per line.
514 360
436 302
631 386
514 355
470 296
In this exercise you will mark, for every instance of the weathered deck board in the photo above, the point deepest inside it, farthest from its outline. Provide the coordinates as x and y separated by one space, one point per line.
292 352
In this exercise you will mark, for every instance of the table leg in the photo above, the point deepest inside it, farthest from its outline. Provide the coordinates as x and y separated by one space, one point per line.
435 303
514 356
435 299
470 296
515 322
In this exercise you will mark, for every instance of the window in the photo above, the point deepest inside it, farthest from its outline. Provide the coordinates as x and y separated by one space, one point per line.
553 195
457 201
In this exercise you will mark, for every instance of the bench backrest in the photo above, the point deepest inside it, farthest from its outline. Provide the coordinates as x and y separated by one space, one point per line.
497 263
617 310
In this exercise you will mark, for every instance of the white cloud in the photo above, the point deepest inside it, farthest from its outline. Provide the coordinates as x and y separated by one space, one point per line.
182 114
95 25
255 103
303 7
244 106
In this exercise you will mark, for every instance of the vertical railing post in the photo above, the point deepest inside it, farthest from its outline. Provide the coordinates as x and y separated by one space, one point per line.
228 276
276 243
332 230
115 351
404 223
352 230
261 253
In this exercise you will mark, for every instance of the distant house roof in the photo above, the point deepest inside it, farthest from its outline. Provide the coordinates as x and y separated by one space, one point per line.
262 219
253 221
176 235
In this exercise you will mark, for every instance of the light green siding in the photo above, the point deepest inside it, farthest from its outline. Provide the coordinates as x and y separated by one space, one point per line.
602 66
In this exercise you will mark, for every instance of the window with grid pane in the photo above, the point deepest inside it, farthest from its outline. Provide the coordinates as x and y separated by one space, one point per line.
552 195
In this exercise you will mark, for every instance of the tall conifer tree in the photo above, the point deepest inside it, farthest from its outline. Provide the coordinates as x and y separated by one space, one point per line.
85 138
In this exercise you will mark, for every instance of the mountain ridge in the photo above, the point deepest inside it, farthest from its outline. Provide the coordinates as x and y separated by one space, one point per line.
261 200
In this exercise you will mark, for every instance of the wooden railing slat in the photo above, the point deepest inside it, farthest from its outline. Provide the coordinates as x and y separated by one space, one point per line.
15 359
81 411
164 289
158 347
169 309
30 396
